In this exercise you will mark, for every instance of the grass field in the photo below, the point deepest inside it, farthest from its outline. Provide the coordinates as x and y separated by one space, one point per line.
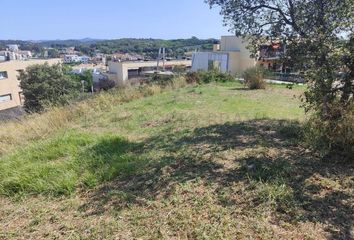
213 161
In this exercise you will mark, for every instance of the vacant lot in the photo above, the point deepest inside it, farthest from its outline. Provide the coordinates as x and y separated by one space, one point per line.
213 161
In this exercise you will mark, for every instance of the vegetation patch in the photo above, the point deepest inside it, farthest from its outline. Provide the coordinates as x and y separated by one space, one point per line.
65 162
203 161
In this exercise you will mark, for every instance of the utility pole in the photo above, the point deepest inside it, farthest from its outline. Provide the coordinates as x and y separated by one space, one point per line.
158 59
163 58
83 86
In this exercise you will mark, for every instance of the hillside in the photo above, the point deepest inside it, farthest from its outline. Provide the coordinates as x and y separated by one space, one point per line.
145 46
211 161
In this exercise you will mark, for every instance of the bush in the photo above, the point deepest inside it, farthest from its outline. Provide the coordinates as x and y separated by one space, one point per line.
161 80
254 77
208 77
106 84
193 77
179 70
333 137
45 85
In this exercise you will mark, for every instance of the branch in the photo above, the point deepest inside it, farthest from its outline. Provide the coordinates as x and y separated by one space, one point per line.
292 16
276 9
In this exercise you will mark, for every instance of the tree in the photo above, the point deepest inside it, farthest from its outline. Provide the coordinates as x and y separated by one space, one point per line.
310 29
53 53
84 78
319 39
44 85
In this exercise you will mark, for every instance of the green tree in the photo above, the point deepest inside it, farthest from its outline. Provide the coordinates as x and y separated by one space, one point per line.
84 78
45 84
53 53
313 32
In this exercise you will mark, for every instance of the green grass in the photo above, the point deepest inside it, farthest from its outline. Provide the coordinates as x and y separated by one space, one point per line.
65 162
90 153
212 161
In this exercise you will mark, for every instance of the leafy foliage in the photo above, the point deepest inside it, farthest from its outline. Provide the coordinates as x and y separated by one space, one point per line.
333 137
84 78
208 77
313 34
254 77
162 80
105 84
44 85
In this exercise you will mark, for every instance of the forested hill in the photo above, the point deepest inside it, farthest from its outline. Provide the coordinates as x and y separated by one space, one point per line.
151 46
145 46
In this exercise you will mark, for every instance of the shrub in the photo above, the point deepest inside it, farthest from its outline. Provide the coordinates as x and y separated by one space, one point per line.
179 70
161 80
332 137
106 84
192 77
254 77
208 77
216 76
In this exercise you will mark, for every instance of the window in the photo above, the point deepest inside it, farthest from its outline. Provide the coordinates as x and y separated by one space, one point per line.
3 74
5 98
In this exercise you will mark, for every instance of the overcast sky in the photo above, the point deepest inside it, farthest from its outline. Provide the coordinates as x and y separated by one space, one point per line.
74 19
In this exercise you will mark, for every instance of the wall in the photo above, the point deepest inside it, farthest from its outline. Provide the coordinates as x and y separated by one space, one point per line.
200 61
10 85
117 72
240 58
120 69
234 65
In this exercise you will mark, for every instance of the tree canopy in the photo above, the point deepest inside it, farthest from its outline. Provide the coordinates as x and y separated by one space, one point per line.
313 32
45 84
287 18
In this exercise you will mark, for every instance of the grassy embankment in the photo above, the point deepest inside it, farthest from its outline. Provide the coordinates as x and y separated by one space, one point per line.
209 161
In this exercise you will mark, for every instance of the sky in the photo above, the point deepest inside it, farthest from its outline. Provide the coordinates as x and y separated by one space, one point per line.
109 19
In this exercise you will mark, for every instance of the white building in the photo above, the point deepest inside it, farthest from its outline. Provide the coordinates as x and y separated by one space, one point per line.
72 58
25 54
84 59
13 47
230 56
14 53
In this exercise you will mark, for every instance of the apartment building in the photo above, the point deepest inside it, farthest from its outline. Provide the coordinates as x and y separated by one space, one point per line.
10 91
